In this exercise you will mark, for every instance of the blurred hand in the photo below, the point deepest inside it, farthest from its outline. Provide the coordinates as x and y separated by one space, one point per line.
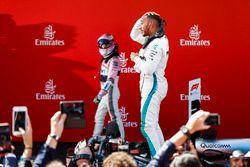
196 121
133 55
192 149
27 139
2 154
57 124
179 151
97 99
27 135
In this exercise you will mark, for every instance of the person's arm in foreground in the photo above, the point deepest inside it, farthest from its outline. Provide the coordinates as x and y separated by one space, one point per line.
48 150
194 124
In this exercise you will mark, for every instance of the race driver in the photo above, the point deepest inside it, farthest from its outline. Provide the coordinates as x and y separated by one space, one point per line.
151 62
108 96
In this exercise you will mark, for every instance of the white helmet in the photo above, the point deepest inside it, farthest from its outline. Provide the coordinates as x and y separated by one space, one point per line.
107 45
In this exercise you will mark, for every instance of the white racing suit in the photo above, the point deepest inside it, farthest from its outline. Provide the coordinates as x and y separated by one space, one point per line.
109 94
151 64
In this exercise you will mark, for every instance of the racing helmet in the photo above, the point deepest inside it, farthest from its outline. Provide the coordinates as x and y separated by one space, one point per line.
107 45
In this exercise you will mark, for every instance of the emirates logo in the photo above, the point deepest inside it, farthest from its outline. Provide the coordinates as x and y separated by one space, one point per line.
50 92
124 115
49 33
50 87
194 32
194 38
49 38
124 118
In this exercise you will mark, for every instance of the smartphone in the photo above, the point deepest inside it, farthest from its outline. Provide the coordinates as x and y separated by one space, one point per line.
5 143
72 107
19 119
213 119
75 113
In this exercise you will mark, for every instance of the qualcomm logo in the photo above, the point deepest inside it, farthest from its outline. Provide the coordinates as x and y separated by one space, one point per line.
124 60
194 35
214 145
49 35
124 117
49 89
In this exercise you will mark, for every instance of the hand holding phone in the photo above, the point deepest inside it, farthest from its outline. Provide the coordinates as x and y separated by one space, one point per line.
27 134
19 119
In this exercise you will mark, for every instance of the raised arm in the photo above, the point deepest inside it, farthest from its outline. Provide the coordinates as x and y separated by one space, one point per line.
47 152
136 34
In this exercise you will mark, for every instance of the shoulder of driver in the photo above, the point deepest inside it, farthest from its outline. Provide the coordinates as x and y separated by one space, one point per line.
115 61
158 46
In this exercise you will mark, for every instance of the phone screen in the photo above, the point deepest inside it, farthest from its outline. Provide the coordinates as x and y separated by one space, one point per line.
75 113
72 107
5 142
195 106
20 120
213 119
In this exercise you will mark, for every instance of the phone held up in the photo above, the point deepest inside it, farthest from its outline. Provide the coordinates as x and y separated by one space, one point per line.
5 143
75 113
72 107
213 119
19 119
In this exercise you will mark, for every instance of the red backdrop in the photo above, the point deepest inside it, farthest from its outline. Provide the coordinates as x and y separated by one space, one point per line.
68 65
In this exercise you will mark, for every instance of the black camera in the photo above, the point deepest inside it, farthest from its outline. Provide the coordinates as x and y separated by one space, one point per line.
213 119
75 113
72 107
